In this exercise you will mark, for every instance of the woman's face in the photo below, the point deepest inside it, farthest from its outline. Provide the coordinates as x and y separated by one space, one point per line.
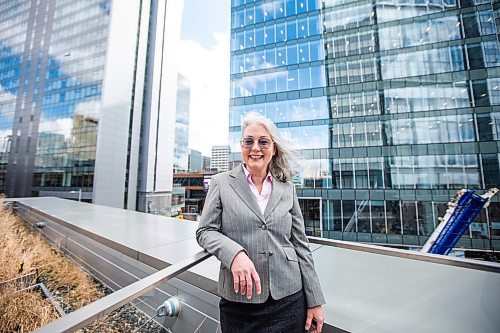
257 156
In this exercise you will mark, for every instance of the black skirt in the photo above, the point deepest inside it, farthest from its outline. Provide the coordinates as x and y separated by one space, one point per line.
273 316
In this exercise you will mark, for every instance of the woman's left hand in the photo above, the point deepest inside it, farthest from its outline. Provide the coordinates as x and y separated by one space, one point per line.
314 319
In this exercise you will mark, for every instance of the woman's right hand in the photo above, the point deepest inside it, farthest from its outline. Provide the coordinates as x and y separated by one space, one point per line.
245 275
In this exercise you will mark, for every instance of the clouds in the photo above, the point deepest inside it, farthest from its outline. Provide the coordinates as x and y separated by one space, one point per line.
61 126
208 71
6 96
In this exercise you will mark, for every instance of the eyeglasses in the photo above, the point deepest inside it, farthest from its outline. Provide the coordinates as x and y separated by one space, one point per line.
264 143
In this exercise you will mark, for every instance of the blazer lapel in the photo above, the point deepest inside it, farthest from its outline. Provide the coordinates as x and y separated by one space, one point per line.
276 194
240 186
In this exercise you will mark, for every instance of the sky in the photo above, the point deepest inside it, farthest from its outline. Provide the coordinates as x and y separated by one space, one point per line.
203 57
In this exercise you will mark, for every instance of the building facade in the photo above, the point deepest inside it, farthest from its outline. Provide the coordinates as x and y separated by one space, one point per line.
219 159
181 150
195 161
206 162
196 186
393 107
87 91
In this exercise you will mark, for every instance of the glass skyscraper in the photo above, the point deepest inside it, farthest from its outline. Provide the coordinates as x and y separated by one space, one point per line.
181 150
87 100
393 106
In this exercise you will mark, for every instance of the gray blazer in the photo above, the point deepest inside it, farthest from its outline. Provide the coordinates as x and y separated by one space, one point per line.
275 241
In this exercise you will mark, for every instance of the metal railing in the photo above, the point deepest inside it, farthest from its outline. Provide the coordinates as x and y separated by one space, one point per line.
100 308
412 255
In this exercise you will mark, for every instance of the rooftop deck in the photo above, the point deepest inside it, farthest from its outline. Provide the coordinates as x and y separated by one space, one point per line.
367 288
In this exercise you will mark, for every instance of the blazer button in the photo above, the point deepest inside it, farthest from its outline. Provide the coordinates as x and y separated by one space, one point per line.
264 227
271 254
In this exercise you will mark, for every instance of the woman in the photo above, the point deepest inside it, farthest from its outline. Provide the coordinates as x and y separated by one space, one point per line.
253 224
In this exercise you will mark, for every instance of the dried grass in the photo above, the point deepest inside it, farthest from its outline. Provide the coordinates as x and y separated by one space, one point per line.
25 311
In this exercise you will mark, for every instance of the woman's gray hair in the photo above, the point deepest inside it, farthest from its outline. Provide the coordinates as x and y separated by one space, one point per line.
280 166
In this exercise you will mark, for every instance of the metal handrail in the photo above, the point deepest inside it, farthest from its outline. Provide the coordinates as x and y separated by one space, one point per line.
98 309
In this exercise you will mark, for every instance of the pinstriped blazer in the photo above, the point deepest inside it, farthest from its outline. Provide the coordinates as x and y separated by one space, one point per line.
275 241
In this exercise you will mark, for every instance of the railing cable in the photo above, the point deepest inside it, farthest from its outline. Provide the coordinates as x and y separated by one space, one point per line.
100 308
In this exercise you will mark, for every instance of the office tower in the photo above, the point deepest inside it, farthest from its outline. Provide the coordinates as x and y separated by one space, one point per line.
87 91
181 150
195 161
206 163
393 106
219 158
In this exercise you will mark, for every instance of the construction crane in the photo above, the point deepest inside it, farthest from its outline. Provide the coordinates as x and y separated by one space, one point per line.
461 212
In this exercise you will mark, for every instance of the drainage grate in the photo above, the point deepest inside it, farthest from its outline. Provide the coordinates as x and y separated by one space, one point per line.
21 282
28 282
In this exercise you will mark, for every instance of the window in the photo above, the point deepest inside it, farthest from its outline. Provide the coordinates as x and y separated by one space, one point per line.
269 34
291 30
292 54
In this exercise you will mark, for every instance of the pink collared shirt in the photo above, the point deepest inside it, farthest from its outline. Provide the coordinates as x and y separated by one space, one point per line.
267 187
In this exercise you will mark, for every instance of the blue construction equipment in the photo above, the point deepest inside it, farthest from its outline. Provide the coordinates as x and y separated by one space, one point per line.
461 212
